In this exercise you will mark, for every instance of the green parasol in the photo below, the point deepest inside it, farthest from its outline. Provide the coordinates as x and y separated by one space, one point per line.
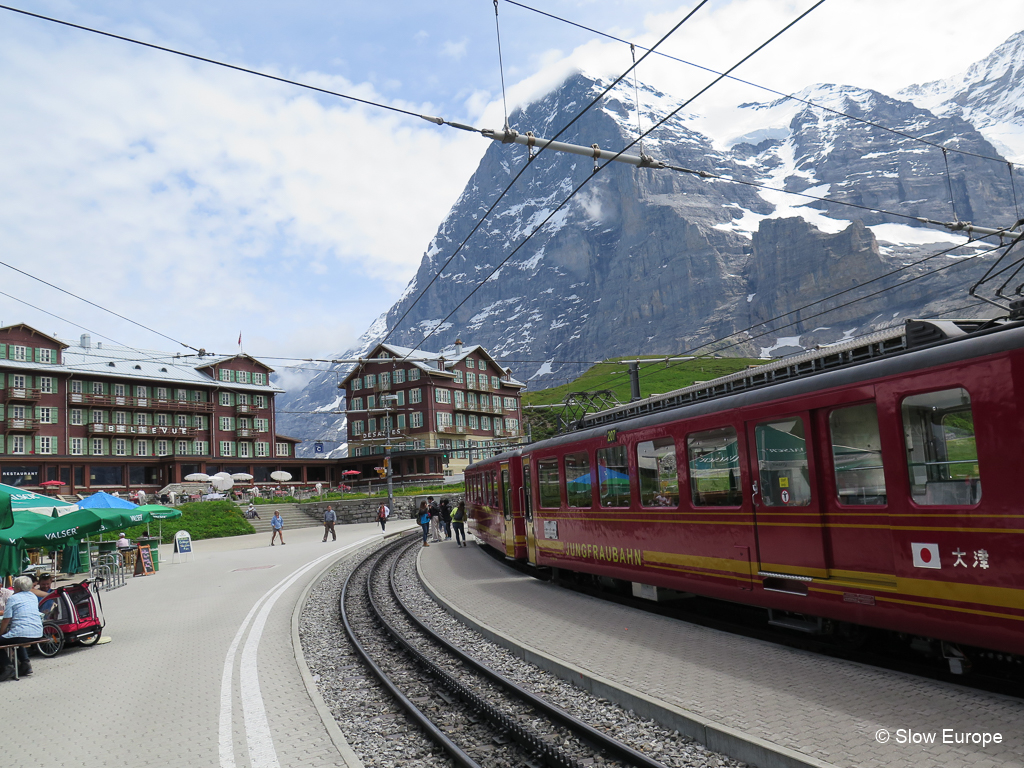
6 511
161 513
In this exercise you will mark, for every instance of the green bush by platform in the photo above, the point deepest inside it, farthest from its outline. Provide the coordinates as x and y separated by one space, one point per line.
202 519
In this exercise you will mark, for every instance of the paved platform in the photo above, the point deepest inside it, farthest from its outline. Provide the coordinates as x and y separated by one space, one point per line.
759 702
200 671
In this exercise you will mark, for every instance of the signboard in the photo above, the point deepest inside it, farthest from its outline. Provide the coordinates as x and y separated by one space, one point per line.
182 546
144 561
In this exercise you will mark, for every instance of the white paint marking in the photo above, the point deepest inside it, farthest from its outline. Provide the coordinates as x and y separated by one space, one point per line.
257 730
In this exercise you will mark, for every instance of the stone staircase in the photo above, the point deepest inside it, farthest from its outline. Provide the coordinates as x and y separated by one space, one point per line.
292 515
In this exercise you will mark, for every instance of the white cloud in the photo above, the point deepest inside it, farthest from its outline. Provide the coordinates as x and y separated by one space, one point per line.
454 50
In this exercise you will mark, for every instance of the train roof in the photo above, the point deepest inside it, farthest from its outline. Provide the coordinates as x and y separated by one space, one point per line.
894 354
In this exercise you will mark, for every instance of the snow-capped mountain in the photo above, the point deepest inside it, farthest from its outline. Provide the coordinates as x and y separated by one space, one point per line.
989 95
644 261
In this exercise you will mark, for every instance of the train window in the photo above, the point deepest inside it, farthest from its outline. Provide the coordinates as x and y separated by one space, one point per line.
714 468
528 492
857 455
577 479
506 494
941 452
782 463
613 475
656 464
548 481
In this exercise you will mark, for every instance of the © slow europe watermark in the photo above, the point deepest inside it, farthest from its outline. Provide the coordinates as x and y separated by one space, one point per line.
945 736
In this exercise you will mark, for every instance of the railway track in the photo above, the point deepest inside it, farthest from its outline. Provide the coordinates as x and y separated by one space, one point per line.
474 715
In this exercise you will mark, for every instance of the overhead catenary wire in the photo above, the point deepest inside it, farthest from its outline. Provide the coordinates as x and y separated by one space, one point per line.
765 88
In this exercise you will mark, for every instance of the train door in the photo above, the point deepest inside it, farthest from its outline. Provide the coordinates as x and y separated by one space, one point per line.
787 508
527 505
508 527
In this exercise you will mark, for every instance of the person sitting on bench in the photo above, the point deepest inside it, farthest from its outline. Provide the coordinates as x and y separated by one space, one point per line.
21 624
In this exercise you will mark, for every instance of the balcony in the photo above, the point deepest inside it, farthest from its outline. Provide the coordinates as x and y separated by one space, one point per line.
245 432
20 424
140 403
478 408
23 393
245 408
453 430
142 431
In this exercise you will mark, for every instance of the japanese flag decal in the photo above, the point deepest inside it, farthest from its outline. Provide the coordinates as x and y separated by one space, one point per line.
926 555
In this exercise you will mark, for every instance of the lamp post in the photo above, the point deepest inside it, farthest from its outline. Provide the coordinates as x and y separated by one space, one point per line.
388 401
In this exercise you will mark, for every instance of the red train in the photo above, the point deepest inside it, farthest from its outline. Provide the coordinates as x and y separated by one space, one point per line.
839 488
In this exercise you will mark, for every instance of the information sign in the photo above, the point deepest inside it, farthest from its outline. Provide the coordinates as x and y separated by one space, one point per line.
182 547
144 561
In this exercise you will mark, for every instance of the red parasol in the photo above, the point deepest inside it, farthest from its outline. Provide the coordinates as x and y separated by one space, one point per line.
52 483
351 472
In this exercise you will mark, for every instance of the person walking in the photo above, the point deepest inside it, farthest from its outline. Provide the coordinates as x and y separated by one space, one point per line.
446 518
382 516
277 528
435 519
424 521
330 518
459 524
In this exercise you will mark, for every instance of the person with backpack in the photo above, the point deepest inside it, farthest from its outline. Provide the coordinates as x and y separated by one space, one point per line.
424 520
382 515
459 524
446 518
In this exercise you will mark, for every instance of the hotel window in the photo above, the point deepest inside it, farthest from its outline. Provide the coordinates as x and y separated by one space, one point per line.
225 423
183 447
17 444
142 447
398 377
459 377
474 421
416 395
371 425
242 377
262 449
385 380
242 399
18 381
44 355
243 450
46 444
76 446
46 385
161 419
283 449
182 420
44 415
401 398
120 417
471 380
260 401
76 416
19 353
97 387
512 425
76 387
119 390
161 448
357 383
225 398
225 374
358 427
442 396
97 446
482 381
199 447
225 448
262 425
370 380
98 417
401 421
485 423
371 402
460 420
460 398
120 447
444 419
258 378
414 374
416 419
495 382
357 404
470 363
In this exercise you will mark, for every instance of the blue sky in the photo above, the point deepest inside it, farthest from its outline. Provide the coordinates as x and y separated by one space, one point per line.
205 203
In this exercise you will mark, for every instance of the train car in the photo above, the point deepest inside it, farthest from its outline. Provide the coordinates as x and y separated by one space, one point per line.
494 500
833 493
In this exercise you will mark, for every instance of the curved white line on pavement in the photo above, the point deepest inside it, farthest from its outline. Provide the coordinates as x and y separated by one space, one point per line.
257 729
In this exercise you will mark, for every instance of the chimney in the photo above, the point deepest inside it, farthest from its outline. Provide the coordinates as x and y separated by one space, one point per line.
86 341
458 347
99 345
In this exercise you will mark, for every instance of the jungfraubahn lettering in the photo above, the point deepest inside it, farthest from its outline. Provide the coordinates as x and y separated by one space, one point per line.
607 553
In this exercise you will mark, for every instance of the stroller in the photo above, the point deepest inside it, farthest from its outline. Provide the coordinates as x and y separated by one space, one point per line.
70 614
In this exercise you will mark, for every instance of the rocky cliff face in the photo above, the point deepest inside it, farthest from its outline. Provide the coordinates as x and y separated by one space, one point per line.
646 261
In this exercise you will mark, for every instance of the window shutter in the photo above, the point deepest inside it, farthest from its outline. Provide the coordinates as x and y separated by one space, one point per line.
3 351
38 443
1 411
